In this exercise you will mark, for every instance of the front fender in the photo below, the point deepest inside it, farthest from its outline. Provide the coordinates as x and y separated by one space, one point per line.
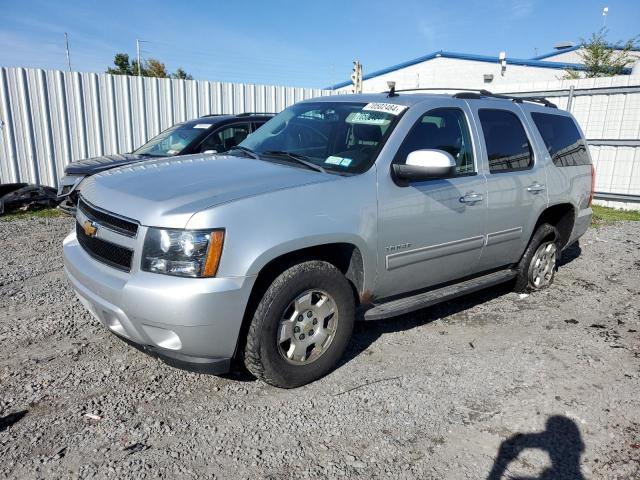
262 228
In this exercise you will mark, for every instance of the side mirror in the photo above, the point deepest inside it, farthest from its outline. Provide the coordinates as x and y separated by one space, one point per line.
425 165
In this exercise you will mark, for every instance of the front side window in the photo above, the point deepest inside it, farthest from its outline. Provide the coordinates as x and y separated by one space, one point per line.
508 147
441 129
338 136
562 139
224 139
172 141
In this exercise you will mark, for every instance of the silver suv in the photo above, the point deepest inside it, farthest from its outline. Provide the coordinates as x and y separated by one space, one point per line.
342 207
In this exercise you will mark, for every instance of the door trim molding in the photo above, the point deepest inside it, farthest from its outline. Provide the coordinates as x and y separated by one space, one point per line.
504 236
417 255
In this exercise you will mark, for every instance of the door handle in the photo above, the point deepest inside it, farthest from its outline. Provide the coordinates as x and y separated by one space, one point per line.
535 188
471 198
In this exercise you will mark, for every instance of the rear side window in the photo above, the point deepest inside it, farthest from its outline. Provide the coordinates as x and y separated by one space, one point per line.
508 147
562 139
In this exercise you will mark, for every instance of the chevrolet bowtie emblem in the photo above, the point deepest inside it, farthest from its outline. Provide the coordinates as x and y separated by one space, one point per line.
90 228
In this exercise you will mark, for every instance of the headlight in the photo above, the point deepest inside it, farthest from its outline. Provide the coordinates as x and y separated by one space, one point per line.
185 253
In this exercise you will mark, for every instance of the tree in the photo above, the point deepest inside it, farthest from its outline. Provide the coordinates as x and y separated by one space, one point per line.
149 68
603 59
181 74
155 68
121 61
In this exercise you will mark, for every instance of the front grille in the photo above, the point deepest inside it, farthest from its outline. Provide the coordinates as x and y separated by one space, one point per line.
105 252
107 220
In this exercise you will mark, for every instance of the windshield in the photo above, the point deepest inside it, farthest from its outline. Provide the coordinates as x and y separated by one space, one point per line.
173 140
337 136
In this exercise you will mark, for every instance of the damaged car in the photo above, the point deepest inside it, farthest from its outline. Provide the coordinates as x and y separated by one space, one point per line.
208 134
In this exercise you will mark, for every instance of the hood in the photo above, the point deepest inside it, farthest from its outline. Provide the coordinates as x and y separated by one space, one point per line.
168 192
91 166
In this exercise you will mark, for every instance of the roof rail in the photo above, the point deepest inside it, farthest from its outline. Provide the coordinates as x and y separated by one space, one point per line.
244 114
248 114
487 93
478 93
434 89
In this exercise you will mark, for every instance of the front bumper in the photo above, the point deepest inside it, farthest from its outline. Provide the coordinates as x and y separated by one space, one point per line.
190 323
68 193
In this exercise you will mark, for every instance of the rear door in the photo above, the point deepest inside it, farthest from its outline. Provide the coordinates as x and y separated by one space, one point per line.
516 182
430 232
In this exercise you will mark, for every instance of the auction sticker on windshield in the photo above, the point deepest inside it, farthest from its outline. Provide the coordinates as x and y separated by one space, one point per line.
390 108
368 118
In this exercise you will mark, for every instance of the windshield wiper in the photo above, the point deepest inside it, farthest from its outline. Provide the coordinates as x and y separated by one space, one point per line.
246 150
302 159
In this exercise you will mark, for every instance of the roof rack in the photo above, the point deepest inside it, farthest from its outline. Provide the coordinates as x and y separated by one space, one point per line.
248 114
244 114
478 93
486 93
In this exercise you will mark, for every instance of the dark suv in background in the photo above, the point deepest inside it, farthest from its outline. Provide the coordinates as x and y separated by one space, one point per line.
208 134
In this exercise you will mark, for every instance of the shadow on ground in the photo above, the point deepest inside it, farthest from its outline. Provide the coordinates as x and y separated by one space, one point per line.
7 421
366 333
561 440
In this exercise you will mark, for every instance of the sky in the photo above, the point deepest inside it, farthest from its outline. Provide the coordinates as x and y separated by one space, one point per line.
297 43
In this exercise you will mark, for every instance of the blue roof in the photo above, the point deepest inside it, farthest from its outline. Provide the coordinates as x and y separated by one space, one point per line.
557 52
573 49
467 56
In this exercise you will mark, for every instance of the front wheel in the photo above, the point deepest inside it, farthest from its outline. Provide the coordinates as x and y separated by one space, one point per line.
302 325
537 267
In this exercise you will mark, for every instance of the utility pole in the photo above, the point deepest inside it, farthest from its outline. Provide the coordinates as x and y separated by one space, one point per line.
605 13
66 41
139 64
356 77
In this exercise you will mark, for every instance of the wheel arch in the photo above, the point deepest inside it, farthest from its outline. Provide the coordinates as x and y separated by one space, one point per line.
562 216
344 255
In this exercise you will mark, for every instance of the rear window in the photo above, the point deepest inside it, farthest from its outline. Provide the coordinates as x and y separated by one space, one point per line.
562 139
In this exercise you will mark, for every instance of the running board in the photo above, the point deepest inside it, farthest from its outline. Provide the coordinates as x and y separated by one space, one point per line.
426 299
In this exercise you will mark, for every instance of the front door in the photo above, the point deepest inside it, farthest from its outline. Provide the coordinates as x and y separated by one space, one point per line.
431 232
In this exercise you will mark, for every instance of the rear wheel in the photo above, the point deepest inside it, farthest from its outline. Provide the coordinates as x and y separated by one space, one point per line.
302 325
537 267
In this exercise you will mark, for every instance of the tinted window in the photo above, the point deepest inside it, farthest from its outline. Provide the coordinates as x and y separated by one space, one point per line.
508 147
225 138
441 129
562 139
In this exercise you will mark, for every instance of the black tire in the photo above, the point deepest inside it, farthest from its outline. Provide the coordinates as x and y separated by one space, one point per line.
262 356
545 234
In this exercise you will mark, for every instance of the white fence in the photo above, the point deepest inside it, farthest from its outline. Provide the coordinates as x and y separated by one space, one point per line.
50 118
608 110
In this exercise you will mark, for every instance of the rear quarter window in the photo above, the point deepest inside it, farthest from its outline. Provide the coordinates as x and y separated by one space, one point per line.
562 139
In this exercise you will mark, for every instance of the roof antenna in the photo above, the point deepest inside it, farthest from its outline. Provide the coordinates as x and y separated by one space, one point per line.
392 89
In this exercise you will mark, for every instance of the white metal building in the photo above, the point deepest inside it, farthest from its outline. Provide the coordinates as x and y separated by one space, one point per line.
444 69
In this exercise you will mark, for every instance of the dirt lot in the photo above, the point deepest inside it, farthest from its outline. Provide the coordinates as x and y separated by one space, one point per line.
488 385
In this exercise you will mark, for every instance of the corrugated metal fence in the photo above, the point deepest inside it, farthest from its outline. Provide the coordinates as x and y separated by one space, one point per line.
608 110
50 118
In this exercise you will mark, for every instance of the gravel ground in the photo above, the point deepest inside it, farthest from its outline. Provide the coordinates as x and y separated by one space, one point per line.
494 382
